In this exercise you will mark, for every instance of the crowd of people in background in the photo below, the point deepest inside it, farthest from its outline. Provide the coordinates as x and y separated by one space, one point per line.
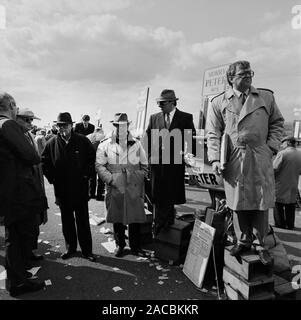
83 163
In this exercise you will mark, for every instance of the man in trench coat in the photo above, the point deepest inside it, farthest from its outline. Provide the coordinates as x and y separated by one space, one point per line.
68 161
121 163
253 125
287 168
169 134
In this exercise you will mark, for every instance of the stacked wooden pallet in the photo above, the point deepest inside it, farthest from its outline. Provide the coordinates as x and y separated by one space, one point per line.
246 278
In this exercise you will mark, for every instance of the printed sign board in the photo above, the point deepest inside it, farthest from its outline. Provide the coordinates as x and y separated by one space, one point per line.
215 80
198 252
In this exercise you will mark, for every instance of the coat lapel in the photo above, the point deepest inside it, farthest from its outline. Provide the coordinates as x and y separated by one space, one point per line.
161 122
229 102
253 102
175 120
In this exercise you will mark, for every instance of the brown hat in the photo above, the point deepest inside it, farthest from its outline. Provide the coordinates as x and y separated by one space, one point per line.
167 95
64 117
120 118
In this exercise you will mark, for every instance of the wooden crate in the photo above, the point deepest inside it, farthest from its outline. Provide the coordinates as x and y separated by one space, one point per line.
233 294
249 290
176 234
283 286
171 253
248 266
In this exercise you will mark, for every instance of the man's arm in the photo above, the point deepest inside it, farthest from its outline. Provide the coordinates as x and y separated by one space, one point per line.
18 143
47 165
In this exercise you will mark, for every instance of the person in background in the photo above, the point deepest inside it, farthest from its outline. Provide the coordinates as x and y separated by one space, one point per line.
121 163
68 161
96 185
25 118
84 127
253 123
41 140
287 168
20 197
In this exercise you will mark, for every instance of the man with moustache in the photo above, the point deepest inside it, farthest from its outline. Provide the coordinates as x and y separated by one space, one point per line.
250 122
68 162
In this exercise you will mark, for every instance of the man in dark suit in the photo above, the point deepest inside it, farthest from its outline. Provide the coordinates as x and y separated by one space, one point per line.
68 161
168 135
20 197
84 127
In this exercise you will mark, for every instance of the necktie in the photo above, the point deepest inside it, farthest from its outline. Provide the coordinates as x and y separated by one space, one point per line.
243 98
167 120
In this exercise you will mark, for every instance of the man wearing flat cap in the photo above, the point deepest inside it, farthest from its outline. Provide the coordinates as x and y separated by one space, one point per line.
84 127
68 160
287 168
167 133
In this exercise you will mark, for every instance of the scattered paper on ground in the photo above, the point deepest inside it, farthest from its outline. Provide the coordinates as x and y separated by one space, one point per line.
40 240
160 283
92 222
159 268
46 242
48 283
116 269
110 246
116 289
96 219
163 278
42 232
142 258
47 253
57 246
58 214
68 278
34 270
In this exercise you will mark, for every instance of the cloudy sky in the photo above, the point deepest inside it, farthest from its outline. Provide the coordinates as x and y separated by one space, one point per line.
83 56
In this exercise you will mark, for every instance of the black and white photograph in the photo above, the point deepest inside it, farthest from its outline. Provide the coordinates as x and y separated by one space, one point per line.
150 154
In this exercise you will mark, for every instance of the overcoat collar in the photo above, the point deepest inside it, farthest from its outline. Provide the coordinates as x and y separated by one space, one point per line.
252 103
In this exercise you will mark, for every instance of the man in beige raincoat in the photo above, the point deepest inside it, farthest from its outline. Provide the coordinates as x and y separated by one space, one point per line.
253 124
121 163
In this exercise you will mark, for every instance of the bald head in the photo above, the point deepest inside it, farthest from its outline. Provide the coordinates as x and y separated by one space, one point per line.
8 105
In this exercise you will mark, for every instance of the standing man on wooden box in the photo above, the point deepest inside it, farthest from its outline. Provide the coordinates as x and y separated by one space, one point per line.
254 125
168 134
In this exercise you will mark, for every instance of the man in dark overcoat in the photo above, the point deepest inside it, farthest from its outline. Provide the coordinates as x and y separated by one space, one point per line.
84 127
68 161
21 197
169 134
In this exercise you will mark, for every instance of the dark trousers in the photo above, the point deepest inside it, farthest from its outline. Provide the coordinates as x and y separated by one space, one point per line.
19 238
164 215
96 186
78 227
284 215
134 235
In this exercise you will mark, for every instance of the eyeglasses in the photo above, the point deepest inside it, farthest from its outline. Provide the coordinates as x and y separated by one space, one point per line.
245 74
28 120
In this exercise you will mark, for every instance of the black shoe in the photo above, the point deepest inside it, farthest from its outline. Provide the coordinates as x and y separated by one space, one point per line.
67 255
238 249
90 257
138 252
26 287
119 252
36 257
265 257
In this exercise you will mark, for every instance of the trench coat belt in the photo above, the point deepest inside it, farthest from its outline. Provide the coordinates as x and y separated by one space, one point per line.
123 168
243 146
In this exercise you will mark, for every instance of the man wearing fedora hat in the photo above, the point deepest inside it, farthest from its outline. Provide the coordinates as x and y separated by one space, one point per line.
25 118
121 164
287 168
68 160
167 177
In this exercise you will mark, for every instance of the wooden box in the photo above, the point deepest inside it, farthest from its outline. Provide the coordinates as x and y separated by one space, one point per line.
248 290
235 295
248 266
171 253
176 234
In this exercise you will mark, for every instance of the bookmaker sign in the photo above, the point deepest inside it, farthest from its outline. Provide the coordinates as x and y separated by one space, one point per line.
215 80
